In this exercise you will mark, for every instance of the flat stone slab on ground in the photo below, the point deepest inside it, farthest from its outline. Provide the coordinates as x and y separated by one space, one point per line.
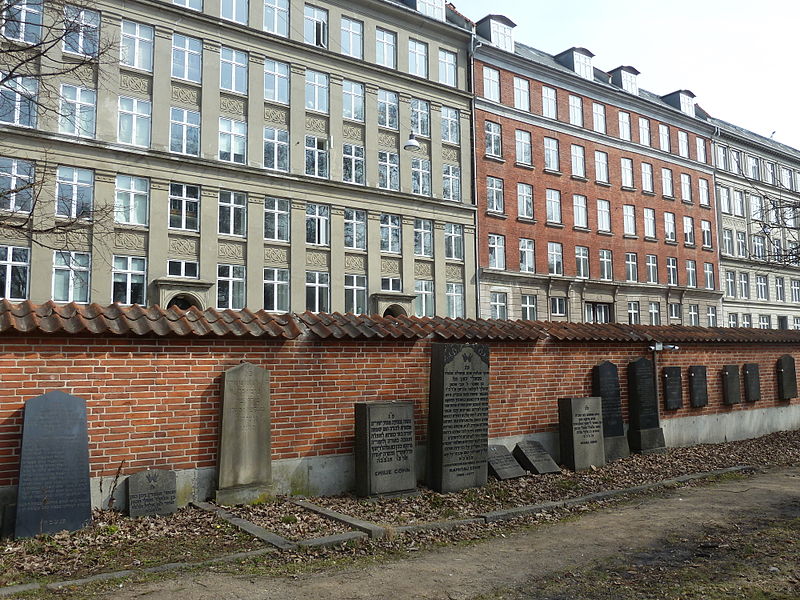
533 457
502 463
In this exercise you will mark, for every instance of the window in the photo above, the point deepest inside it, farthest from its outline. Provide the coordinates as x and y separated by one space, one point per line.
705 229
353 100
753 168
744 285
705 199
727 241
232 140
629 219
549 103
672 270
626 166
686 187
423 237
276 290
431 8
276 149
523 147
18 98
666 183
316 156
644 131
722 157
795 290
738 203
555 258
624 125
81 30
385 48
576 111
694 315
136 45
633 313
16 185
525 200
759 248
601 166
583 65
691 273
184 206
453 241
582 262
558 306
447 67
786 178
651 262
233 70
353 164
599 117
708 274
747 320
765 321
451 125
423 303
77 112
578 159
388 108
134 122
769 172
317 224
316 91
723 194
603 215
730 284
276 81
701 150
597 312
187 59
355 229
420 117
688 231
529 308
736 164
780 289
388 171
527 261
551 154
663 137
184 131
670 233
421 176
390 233
391 284
493 139
232 213
631 266
128 280
14 272
629 83
580 211
355 294
234 10
74 192
655 313
318 291
649 223
491 84
131 200
756 208
22 21
497 251
522 94
762 292
553 204
683 144
494 194
417 58
276 17
647 177
71 276
606 265
276 219
498 305
454 294
315 26
352 38
501 36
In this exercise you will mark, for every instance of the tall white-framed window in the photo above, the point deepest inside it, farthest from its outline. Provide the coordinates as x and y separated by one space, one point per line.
691 273
497 251
741 244
315 26
599 117
234 10
667 187
22 21
705 197
77 112
670 233
232 213
688 231
527 256
230 286
494 144
421 176
578 160
582 262
316 156
454 294
727 241
355 229
423 237
14 272
388 109
81 31
762 287
708 275
232 70
629 219
316 91
71 272
780 288
184 131
744 285
17 184
451 183
633 312
129 280
424 302
353 100
184 207
136 45
352 37
18 101
549 103
580 211
558 306
583 65
276 290
420 117
525 200
131 200
355 294
631 266
523 147
647 177
353 164
730 284
705 228
649 223
624 125
693 315
644 131
491 84
683 144
686 187
606 265
385 48
576 111
277 218
551 159
711 315
388 170
626 169
603 215
276 149
722 157
701 150
601 166
501 36
317 224
74 192
555 258
553 205
431 8
417 58
663 137
187 58
391 233
447 67
451 125
651 262
232 140
453 241
134 122
276 17
672 270
522 94
654 309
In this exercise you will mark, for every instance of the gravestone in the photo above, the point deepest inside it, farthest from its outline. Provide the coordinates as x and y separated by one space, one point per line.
502 463
787 377
673 388
698 386
731 392
645 434
53 491
244 469
384 449
605 384
152 492
580 428
752 382
458 416
533 457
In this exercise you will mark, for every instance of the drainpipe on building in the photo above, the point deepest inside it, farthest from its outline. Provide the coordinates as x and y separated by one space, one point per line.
474 44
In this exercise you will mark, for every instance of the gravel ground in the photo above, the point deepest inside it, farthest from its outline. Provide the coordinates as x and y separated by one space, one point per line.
288 520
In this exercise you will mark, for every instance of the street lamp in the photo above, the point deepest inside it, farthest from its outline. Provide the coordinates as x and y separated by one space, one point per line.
412 145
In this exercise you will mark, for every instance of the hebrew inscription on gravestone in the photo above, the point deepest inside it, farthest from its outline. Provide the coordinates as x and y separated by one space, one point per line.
645 434
673 385
787 377
752 382
502 464
605 384
731 392
152 492
532 457
698 386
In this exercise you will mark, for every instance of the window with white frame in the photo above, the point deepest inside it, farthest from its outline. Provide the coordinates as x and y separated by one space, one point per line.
454 294
744 285
583 65
388 170
451 125
578 159
603 215
498 305
655 313
606 265
315 26
747 320
391 284
14 272
491 84
663 137
553 205
184 131
71 276
708 275
795 290
391 233
580 211
786 178
582 262
762 289
724 197
649 223
525 200
754 167
672 270
316 91
722 157
711 315
431 8
624 125
421 176
727 241
551 159
276 290
683 144
549 103
555 258
16 185
232 140
633 313
759 247
420 117
81 31
647 177
688 231
230 286
691 273
128 280
136 45
780 289
22 21
529 307
769 172
629 219
494 146
686 187
705 198
417 58
453 241
355 294
523 147
232 213
352 37
651 262
497 251
423 237
447 67
670 233
599 117
558 306
276 219
276 17
276 81
353 164
501 36
631 266
131 202
388 109
187 61
352 100
276 149
576 111
317 224
701 150
667 187
694 315
601 166
522 94
134 122
626 166
316 156
756 208
355 229
705 229
385 48
451 183
234 10
730 284
77 111
184 206
527 259
644 131
74 192
18 100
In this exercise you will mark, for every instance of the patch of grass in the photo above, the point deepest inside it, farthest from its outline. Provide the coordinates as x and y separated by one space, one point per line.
289 519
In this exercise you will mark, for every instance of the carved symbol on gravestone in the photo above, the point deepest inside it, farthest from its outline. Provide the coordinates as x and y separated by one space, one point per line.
787 377
698 386
152 492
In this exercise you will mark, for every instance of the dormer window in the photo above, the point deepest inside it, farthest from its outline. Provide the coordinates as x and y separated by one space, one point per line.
629 83
687 104
583 65
431 8
501 36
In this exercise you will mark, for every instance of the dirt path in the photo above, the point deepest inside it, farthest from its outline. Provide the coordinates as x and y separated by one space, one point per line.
458 573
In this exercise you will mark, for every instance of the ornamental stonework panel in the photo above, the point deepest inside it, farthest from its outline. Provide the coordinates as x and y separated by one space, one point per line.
276 116
138 84
276 255
316 125
355 263
130 240
387 140
231 105
317 258
451 155
185 94
454 273
181 246
390 266
354 133
423 269
231 251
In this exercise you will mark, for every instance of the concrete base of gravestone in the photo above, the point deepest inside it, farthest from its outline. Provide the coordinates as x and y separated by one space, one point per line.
647 441
616 447
243 494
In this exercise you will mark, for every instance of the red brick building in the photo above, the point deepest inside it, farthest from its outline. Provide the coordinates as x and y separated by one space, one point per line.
595 197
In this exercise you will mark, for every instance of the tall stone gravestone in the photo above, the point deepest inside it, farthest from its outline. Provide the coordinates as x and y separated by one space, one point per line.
532 457
458 416
787 377
53 492
605 384
152 492
731 391
244 469
752 382
698 386
673 388
502 463
580 429
384 449
644 432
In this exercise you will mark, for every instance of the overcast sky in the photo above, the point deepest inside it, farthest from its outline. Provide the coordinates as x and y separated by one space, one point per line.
738 57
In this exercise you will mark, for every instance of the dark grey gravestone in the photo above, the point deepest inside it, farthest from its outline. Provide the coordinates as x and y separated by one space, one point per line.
673 384
533 457
605 384
787 378
645 434
384 449
580 428
244 469
502 464
152 492
752 382
53 492
458 416
698 386
731 391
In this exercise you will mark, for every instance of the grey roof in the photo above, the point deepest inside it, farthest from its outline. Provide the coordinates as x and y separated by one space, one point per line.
754 137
